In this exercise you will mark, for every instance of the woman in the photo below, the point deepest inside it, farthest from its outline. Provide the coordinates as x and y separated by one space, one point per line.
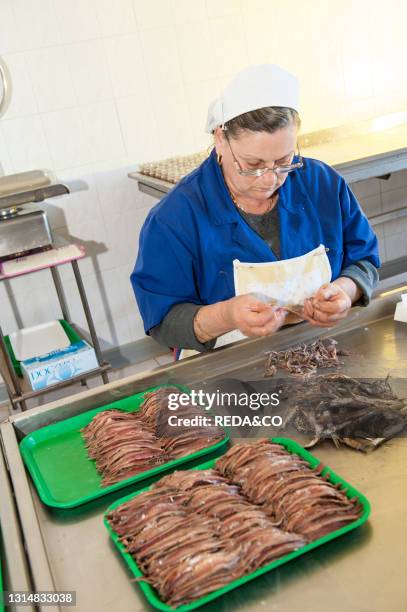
256 200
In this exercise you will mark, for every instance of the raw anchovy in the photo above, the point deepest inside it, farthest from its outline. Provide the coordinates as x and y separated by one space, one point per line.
121 445
283 493
305 359
124 444
195 531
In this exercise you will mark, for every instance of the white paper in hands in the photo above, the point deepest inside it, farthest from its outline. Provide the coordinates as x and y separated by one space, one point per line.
289 282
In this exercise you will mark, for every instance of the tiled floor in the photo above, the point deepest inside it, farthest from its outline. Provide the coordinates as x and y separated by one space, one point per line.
4 411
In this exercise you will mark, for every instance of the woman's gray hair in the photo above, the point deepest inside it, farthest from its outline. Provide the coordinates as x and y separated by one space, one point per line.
268 119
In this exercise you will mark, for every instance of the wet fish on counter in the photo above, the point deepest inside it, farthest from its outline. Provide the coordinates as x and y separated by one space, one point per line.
305 359
361 414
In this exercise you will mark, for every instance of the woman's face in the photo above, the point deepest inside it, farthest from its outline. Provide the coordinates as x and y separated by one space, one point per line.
254 150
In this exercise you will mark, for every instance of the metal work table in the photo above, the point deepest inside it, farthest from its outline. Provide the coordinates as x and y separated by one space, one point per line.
363 571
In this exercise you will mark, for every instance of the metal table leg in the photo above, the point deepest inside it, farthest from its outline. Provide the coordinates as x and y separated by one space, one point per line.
89 320
15 389
60 293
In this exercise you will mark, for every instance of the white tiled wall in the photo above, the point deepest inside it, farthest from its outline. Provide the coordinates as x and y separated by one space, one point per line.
378 196
102 85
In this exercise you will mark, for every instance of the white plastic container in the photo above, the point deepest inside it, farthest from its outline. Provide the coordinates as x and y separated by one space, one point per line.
401 309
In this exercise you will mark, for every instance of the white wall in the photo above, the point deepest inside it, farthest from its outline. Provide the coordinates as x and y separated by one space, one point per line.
381 196
102 85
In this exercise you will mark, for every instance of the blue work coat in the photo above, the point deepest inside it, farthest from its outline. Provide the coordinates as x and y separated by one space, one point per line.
191 237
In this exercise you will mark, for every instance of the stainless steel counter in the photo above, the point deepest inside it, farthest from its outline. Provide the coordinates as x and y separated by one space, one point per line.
364 571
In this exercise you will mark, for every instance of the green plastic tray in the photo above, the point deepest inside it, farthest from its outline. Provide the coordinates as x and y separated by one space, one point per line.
59 465
152 595
70 332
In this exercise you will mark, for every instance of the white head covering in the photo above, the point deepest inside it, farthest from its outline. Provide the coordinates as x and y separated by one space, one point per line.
253 88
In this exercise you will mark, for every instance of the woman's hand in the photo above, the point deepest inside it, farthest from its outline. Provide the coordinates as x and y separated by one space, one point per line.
247 313
332 302
252 316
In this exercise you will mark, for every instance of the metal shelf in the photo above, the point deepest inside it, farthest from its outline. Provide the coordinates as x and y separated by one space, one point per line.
38 194
18 390
398 213
27 393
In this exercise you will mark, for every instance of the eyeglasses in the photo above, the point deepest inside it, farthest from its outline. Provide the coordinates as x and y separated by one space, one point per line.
284 169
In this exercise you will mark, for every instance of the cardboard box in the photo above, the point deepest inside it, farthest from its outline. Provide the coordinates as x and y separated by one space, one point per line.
58 366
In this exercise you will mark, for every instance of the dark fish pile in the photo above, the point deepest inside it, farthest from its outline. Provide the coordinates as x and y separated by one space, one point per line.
124 444
359 413
296 497
195 531
304 360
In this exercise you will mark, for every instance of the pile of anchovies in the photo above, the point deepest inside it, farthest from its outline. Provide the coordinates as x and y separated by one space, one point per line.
195 531
361 414
305 359
124 444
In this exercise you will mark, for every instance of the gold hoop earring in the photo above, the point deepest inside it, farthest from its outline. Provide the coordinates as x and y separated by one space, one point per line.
219 159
